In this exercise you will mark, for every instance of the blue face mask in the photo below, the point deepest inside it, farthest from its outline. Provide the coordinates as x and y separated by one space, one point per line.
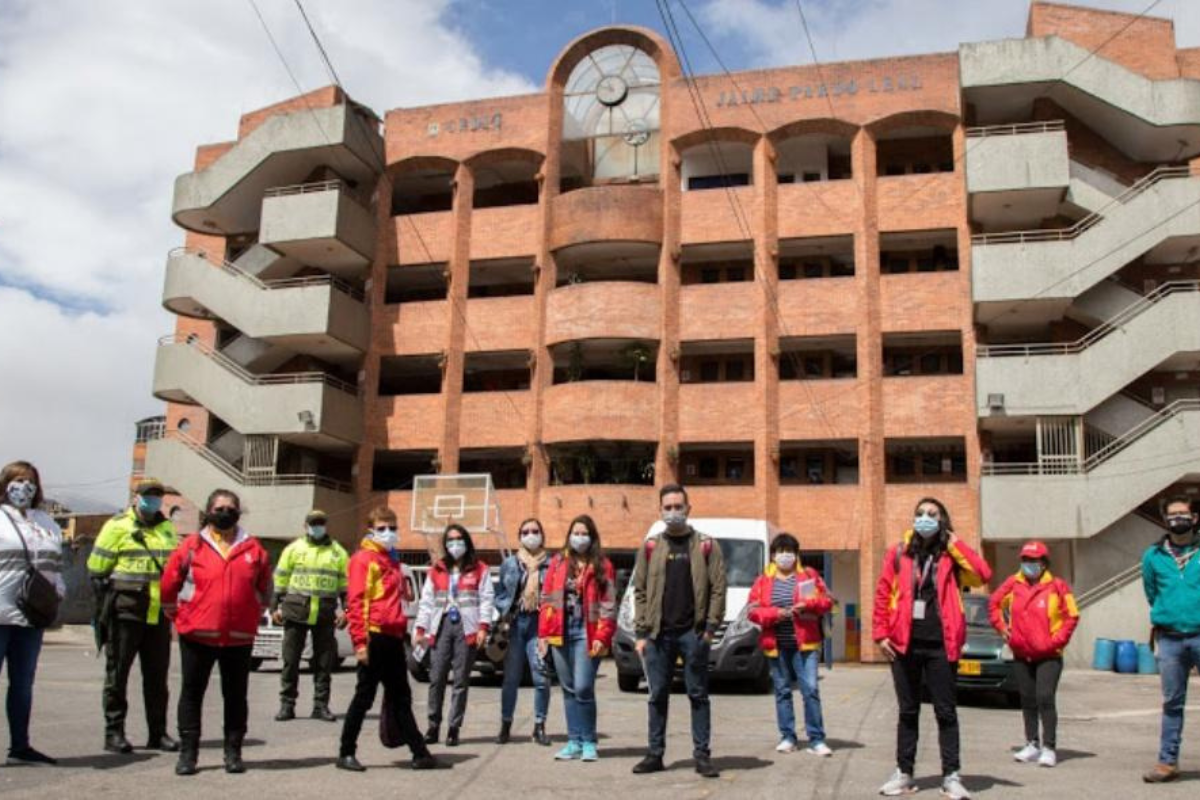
1031 569
316 531
149 505
925 526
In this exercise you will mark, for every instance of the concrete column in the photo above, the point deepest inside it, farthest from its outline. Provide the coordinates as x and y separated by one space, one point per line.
459 270
670 261
764 222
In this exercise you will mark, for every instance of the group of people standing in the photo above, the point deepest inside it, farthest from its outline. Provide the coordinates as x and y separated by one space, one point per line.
558 610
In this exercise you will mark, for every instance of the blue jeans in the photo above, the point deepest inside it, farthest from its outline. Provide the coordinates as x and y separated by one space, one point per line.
661 654
577 676
522 650
1177 657
19 649
797 666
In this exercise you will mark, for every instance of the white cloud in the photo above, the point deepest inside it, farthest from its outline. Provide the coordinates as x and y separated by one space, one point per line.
104 104
848 30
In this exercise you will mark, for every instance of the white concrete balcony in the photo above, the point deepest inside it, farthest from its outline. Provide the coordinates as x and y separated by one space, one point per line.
320 316
321 224
1016 174
307 408
1074 377
225 197
1078 500
1062 264
273 505
1147 119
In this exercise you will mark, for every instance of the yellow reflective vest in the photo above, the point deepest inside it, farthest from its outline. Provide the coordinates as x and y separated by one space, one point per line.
125 553
309 579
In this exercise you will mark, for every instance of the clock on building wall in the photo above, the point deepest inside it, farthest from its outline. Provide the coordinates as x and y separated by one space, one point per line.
611 104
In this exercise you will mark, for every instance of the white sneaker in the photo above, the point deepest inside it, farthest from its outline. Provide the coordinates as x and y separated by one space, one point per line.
819 749
953 788
900 783
1028 754
1048 758
785 746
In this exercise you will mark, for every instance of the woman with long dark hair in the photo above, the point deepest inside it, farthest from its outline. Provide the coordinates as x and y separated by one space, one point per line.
35 540
517 598
453 618
216 585
577 621
919 625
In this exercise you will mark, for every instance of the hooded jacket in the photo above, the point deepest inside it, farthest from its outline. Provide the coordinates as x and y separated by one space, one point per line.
1039 618
375 595
806 624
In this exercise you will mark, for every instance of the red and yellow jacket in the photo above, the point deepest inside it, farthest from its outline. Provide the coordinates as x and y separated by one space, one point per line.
599 604
766 616
217 598
375 595
1039 618
894 594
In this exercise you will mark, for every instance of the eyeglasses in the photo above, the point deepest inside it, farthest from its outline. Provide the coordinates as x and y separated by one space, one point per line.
385 529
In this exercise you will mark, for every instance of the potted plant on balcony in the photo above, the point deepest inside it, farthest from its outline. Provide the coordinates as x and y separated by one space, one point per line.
635 355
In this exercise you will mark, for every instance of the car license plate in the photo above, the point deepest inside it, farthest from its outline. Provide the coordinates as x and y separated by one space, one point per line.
970 667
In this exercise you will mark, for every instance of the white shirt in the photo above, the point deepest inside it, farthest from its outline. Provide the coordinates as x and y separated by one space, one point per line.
44 540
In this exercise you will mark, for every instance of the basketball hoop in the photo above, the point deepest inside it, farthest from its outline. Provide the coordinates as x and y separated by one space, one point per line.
468 500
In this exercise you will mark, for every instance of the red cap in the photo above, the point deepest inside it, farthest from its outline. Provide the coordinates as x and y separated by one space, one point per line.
1035 550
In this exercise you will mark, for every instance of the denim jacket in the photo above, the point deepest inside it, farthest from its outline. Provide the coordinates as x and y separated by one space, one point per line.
512 581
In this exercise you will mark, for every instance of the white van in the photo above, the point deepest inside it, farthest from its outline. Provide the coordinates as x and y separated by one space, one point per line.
735 654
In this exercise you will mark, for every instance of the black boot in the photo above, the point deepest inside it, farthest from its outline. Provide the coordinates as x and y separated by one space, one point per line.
539 735
650 763
452 737
705 768
323 713
115 742
189 752
350 763
162 742
287 711
431 735
233 753
505 732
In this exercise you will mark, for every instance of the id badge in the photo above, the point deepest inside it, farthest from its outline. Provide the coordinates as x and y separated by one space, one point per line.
918 609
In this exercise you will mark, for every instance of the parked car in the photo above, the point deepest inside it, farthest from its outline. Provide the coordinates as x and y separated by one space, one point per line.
987 662
734 654
268 643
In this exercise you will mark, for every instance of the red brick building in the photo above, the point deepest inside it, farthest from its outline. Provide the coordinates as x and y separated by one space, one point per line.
760 285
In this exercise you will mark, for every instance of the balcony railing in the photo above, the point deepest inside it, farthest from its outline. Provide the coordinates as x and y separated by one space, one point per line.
246 376
279 283
316 187
257 478
1016 129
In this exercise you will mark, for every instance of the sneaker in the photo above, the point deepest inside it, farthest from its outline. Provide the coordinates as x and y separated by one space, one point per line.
1048 758
589 752
1028 754
650 763
819 749
785 746
572 751
1162 773
30 758
953 788
900 783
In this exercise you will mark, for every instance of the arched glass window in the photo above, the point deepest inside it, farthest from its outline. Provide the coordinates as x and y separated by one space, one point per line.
611 119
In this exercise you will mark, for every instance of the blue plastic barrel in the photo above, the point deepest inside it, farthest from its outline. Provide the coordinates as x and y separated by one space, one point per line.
1127 656
1147 665
1104 655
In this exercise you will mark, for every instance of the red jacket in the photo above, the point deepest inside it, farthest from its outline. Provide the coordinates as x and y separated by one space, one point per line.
599 604
894 595
1039 618
766 616
218 599
375 595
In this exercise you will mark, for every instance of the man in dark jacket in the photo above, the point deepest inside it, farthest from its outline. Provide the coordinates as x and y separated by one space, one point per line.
679 595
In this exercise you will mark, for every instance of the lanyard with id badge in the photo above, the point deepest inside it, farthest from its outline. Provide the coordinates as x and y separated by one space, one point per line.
918 584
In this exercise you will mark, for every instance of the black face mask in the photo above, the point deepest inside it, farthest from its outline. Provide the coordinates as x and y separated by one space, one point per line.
225 518
1180 526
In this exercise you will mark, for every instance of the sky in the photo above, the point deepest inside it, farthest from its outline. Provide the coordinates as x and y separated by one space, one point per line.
103 105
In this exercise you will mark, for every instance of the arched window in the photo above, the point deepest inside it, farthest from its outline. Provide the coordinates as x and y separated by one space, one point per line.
611 118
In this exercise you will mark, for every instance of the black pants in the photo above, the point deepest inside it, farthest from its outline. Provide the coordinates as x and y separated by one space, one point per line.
324 654
1038 682
197 662
151 645
386 664
925 665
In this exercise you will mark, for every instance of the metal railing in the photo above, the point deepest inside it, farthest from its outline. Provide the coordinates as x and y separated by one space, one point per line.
335 185
1123 317
278 283
1015 129
243 374
1102 454
240 477
1091 220
1113 584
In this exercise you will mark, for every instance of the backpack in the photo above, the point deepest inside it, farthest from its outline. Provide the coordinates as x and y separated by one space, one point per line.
705 547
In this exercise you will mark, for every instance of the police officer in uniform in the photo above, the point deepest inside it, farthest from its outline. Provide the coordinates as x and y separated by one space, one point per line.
125 567
310 597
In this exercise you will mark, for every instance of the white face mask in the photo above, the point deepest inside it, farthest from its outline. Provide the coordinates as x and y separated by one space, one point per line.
21 493
316 531
532 541
581 542
387 539
456 548
785 561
